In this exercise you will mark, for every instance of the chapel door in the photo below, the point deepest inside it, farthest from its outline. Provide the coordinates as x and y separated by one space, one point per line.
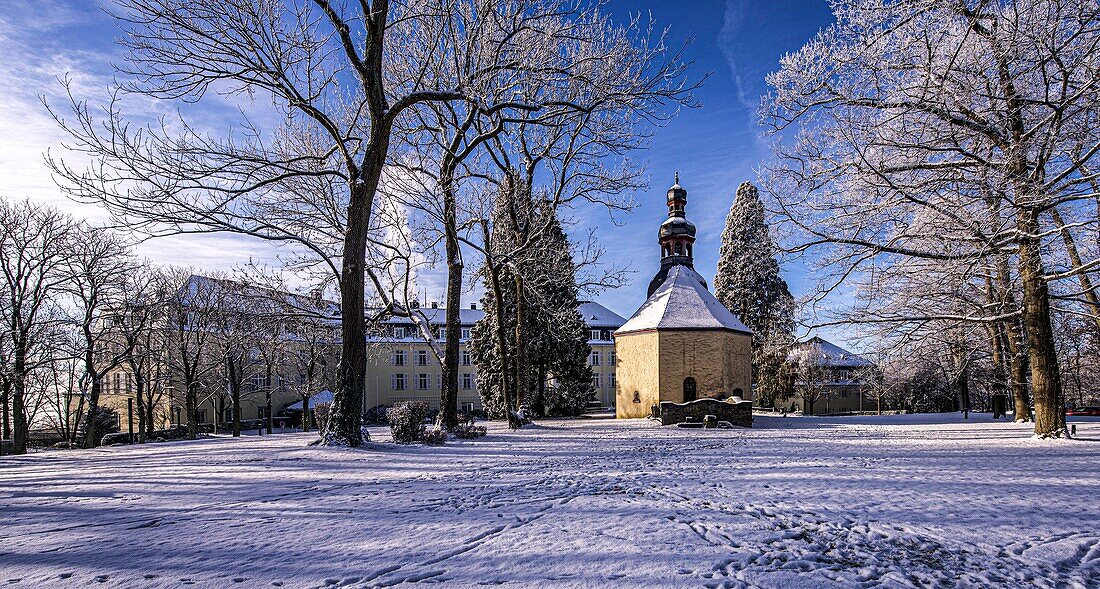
689 389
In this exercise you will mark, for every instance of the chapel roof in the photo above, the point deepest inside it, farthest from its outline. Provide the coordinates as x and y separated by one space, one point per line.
682 302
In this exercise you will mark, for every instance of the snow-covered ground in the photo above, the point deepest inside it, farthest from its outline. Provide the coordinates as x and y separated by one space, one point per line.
914 501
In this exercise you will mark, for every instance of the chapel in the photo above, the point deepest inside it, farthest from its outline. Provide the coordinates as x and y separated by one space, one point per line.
681 344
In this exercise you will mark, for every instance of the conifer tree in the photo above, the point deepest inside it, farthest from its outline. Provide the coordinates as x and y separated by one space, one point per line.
749 285
553 335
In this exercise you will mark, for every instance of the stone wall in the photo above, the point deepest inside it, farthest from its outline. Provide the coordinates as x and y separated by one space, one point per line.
738 413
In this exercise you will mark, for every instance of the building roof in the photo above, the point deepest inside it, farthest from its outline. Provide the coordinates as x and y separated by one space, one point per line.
597 315
682 301
594 315
834 355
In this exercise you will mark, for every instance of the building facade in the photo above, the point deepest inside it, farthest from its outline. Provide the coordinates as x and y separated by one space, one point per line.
401 366
681 344
828 380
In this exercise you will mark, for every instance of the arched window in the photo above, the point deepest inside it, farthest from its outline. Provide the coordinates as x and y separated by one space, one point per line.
689 389
689 250
679 249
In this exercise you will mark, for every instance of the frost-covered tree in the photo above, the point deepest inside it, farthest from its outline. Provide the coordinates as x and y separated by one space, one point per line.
947 131
531 313
749 285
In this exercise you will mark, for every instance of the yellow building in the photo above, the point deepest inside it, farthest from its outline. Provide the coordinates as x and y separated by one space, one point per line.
400 367
681 344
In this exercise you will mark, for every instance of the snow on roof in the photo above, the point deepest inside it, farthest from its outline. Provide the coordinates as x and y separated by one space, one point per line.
594 314
834 355
597 315
682 302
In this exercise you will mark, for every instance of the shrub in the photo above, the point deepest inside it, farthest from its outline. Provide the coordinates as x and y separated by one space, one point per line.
407 421
117 438
468 431
434 436
376 415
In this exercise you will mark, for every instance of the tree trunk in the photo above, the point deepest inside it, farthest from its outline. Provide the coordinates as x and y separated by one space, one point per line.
521 356
236 398
448 395
1014 342
267 390
1050 418
347 405
91 436
305 414
6 418
191 406
502 346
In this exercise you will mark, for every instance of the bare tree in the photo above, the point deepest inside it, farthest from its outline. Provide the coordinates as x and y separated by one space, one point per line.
916 114
810 374
98 266
191 324
35 247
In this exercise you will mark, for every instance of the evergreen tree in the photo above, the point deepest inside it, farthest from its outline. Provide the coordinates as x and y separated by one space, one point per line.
553 335
749 285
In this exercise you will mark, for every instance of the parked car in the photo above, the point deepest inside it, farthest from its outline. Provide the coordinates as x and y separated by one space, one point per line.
1087 411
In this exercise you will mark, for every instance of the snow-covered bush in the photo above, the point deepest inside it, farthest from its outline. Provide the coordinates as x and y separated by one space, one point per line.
407 421
117 438
433 436
468 431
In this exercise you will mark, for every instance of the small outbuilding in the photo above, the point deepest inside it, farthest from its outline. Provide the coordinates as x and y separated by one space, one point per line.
681 344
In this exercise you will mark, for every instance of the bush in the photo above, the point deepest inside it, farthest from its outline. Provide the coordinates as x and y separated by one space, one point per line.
434 436
407 421
376 415
468 431
117 438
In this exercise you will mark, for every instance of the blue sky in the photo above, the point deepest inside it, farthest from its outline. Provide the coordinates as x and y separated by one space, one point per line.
714 147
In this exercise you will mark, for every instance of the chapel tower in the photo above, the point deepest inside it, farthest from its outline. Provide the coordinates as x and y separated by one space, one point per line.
676 236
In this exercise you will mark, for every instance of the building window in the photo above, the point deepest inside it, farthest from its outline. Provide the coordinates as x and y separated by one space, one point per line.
422 357
611 380
595 334
637 397
465 333
258 380
611 358
423 381
594 358
596 379
200 415
398 381
442 333
227 415
118 388
466 357
399 333
261 412
467 381
607 335
399 358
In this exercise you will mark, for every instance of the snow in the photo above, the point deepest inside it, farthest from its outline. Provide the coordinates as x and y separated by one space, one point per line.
682 302
907 501
597 315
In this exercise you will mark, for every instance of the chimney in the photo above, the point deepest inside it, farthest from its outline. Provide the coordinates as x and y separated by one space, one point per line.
435 305
473 306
